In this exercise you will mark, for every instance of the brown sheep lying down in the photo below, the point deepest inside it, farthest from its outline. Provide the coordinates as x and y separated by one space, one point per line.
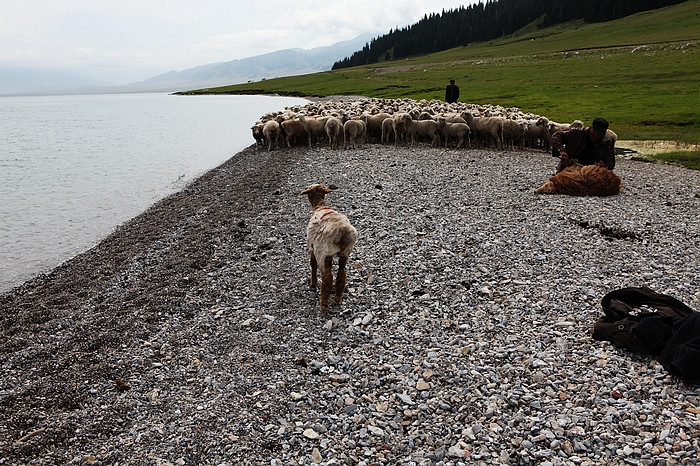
588 180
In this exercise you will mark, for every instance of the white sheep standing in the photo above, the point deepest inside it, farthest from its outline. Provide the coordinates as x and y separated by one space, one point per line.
328 234
353 130
314 126
513 133
374 124
486 130
401 122
388 130
292 129
486 122
272 133
424 128
334 130
457 130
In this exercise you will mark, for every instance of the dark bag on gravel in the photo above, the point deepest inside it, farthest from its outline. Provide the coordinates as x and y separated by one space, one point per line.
664 327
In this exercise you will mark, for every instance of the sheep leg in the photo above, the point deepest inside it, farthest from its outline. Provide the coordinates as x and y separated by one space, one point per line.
326 283
340 279
314 272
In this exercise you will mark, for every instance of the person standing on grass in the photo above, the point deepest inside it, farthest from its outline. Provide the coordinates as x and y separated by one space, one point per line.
588 146
451 92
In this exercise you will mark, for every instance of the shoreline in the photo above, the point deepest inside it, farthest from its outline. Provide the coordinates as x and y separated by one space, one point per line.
190 333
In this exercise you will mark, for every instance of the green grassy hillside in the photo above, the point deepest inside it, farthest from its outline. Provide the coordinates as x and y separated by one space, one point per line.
641 72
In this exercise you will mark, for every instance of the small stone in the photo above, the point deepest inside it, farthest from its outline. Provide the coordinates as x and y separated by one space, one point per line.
311 434
339 378
456 452
422 385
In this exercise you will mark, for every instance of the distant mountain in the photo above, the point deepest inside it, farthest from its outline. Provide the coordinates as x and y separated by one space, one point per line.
288 62
42 80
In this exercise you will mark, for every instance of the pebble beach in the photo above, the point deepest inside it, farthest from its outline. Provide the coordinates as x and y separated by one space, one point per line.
190 336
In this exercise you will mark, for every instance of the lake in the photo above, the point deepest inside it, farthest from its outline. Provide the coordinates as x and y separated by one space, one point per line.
72 168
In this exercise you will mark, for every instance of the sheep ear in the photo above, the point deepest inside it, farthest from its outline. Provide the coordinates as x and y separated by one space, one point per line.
306 191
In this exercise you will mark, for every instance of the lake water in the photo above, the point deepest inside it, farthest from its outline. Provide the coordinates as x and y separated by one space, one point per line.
72 168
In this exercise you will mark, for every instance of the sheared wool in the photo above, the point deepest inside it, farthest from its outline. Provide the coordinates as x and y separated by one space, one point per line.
588 180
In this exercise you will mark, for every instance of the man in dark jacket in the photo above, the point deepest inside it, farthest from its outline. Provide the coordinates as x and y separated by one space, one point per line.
589 146
451 92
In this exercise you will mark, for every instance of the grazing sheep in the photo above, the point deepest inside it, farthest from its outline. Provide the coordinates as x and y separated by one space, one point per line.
314 126
588 180
292 129
457 130
334 130
353 130
328 234
272 133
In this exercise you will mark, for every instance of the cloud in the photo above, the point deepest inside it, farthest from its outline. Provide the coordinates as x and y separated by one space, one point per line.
141 39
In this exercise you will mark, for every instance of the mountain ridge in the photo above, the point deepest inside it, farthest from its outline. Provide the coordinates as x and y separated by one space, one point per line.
280 63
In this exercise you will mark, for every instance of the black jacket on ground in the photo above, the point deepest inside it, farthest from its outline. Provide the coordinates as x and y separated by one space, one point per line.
670 332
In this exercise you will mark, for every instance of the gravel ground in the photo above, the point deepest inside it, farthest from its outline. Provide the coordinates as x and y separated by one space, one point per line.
190 336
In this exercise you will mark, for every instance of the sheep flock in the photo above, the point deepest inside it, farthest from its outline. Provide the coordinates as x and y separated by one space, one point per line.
349 123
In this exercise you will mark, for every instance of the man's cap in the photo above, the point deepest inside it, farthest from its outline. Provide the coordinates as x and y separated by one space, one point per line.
600 126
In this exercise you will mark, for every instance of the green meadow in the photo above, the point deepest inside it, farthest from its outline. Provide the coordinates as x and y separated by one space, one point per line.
642 73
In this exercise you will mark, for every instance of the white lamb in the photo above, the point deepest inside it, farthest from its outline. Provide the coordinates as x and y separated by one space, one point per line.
423 128
328 233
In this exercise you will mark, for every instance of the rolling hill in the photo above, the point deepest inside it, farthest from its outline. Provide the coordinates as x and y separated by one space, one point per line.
641 72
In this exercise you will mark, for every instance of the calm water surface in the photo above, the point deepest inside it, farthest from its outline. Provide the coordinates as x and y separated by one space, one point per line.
72 168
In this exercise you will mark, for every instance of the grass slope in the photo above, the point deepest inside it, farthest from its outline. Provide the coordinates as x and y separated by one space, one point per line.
641 72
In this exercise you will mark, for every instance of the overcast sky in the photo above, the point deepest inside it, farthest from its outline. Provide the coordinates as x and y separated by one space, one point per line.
122 41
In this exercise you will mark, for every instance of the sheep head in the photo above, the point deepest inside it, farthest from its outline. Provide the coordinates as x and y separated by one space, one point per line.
316 194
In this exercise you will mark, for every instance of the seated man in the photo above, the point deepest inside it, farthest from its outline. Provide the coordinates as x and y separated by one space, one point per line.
587 145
